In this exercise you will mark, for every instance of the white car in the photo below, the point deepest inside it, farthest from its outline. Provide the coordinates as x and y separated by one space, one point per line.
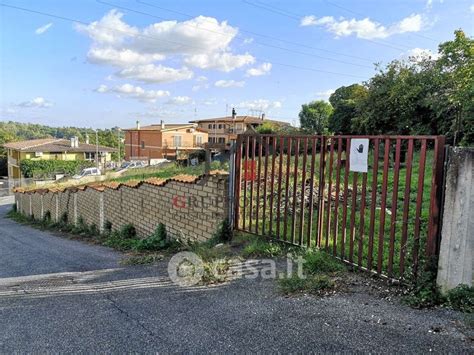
131 165
87 172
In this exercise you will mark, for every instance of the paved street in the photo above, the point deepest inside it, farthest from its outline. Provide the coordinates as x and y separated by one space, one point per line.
59 295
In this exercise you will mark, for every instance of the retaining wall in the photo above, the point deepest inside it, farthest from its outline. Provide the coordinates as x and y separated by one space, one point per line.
191 207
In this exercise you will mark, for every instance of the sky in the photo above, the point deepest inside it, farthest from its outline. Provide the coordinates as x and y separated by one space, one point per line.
108 63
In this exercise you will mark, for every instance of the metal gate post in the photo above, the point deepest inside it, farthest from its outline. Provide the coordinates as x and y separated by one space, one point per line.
437 186
236 184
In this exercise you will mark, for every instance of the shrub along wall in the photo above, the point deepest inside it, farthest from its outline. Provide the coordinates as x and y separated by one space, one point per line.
191 207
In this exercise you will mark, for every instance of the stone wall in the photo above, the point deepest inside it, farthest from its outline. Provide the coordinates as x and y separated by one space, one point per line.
191 208
457 235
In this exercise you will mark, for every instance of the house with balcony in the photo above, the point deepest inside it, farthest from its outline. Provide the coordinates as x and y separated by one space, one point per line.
53 149
223 130
163 141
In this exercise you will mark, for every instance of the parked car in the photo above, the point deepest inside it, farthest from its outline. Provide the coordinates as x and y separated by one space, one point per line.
87 172
131 165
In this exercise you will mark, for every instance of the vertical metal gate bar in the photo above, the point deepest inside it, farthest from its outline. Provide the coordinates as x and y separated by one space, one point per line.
303 192
393 220
280 173
252 178
335 225
328 213
353 213
419 203
344 206
246 174
287 188
265 182
322 160
311 191
259 174
383 205
237 163
432 245
406 206
272 182
373 203
362 220
295 190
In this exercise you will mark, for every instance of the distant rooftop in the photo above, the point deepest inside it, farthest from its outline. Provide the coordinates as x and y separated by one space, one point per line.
244 119
54 145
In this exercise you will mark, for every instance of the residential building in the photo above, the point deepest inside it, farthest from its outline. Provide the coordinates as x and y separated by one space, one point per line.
53 149
163 141
223 130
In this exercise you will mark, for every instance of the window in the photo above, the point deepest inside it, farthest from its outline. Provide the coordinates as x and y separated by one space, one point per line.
177 141
90 156
221 140
220 126
143 144
210 126
198 139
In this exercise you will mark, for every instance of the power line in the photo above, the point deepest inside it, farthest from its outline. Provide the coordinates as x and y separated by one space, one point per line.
227 35
284 13
64 18
262 35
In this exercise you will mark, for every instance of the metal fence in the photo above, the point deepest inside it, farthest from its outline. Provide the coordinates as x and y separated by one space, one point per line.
301 190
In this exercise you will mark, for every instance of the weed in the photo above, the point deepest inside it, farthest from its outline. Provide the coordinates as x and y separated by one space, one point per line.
142 259
156 241
117 241
312 284
108 227
260 247
320 262
208 252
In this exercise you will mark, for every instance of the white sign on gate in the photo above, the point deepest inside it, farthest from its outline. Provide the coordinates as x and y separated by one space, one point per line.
359 155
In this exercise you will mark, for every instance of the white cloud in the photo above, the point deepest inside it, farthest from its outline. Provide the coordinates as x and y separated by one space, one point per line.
134 92
180 101
229 84
220 61
262 69
418 54
260 104
248 40
120 57
471 8
201 42
37 102
201 78
109 30
324 94
365 28
210 102
43 29
151 73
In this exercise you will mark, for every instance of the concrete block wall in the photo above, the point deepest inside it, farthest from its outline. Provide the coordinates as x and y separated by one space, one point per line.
191 208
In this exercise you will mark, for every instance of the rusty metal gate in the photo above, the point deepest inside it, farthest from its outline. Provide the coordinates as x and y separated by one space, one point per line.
301 190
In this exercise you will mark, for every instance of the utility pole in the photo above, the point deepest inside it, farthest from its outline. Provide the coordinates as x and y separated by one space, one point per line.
97 148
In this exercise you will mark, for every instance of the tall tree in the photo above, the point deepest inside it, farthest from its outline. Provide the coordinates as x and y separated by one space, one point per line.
346 102
314 117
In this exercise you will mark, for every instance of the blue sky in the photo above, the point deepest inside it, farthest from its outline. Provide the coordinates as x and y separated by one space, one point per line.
179 60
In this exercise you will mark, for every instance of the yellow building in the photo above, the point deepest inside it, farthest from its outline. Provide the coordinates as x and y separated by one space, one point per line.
52 149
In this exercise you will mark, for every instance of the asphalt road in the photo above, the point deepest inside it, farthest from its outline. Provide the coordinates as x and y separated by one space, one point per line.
58 295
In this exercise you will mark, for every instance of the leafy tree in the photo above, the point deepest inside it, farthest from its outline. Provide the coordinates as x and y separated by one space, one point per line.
314 117
347 106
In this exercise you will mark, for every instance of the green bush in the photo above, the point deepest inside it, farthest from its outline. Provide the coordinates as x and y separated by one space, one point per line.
260 247
48 168
156 241
128 231
461 298
224 233
116 241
